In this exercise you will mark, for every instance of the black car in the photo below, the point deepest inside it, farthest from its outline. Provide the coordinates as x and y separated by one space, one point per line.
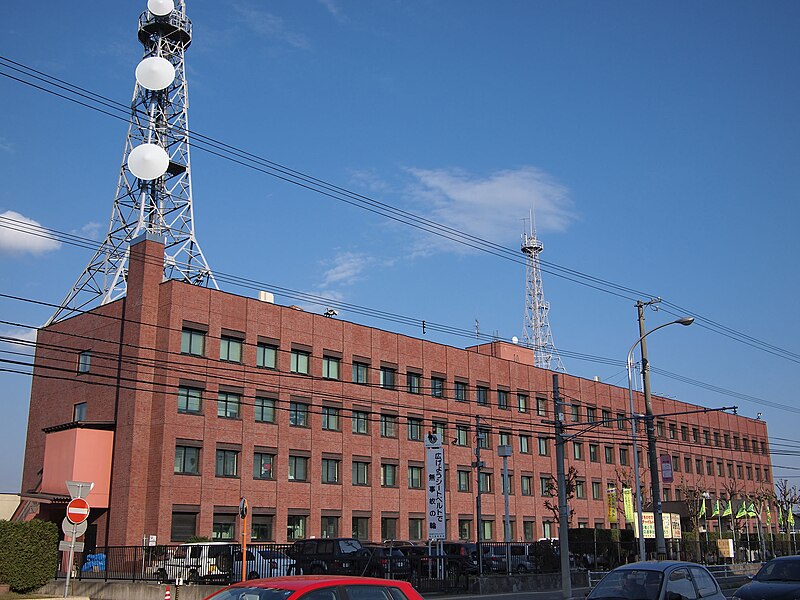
332 556
387 562
778 579
456 558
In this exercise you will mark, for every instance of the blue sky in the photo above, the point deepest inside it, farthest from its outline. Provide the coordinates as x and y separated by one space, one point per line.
659 143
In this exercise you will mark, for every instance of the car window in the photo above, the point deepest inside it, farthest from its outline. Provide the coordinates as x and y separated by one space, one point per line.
680 586
348 546
704 582
367 592
310 548
251 593
321 594
196 552
397 594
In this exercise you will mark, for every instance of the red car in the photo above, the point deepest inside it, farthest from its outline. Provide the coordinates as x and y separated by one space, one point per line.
318 587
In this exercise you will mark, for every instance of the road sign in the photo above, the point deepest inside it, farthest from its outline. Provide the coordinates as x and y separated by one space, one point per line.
73 530
67 546
77 510
79 489
243 508
666 468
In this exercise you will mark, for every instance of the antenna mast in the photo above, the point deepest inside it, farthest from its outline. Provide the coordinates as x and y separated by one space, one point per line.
154 190
536 326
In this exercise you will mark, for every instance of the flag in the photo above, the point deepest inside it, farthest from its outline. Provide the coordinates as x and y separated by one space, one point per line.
612 504
790 517
702 513
728 510
742 512
751 512
627 499
780 516
715 512
769 516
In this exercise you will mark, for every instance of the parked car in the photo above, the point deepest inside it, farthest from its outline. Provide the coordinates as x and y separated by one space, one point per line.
343 556
197 562
658 580
777 579
261 563
318 587
387 561
456 558
498 557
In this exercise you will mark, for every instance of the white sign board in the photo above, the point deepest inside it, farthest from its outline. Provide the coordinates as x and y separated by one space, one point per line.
434 484
670 521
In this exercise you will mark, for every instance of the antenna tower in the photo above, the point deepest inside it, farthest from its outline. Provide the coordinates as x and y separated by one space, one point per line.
154 191
536 327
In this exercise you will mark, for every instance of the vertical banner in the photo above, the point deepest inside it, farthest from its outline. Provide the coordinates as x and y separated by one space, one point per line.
611 494
434 476
627 499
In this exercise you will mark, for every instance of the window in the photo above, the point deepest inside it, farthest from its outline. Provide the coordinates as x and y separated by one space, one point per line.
360 422
330 367
593 453
545 485
488 530
575 412
528 531
606 416
736 442
748 470
415 429
739 471
482 395
413 383
526 485
465 529
84 361
262 528
706 437
608 451
505 438
463 481
524 444
673 431
687 464
460 391
485 483
298 414
266 356
502 399
580 489
388 475
462 435
193 342
719 469
730 470
330 470
591 414
440 428
660 428
389 426
299 362
388 532
265 410
330 418
298 468
510 483
544 447
296 526
230 349
716 439
79 412
484 438
709 468
547 529
360 472
263 465
388 376
680 585
437 387
415 528
698 466
695 435
361 528
189 400
577 450
415 478
223 527
522 403
623 457
684 433
329 527
745 444
227 463
360 372
187 460
228 405
622 421
541 407
596 492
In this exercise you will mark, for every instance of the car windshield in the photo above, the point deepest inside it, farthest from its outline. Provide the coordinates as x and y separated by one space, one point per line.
251 593
780 570
629 584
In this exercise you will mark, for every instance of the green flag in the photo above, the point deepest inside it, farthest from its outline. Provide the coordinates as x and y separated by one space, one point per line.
716 509
790 517
769 516
728 510
751 512
702 513
780 516
742 512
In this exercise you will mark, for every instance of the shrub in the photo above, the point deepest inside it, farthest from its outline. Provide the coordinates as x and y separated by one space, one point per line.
28 554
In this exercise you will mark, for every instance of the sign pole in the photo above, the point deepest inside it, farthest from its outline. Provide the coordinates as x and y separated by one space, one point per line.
243 515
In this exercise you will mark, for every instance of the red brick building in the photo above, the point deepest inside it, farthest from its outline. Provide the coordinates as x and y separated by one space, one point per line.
179 400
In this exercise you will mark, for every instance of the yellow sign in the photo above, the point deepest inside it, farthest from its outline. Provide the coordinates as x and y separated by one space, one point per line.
612 504
627 500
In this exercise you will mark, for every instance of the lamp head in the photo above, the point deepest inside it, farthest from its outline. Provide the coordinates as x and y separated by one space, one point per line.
685 320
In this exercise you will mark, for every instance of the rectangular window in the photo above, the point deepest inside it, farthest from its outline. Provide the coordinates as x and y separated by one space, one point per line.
441 429
720 472
230 349
544 447
360 372
580 489
460 391
716 439
388 376
505 438
415 528
329 527
748 469
415 478
522 403
484 438
687 464
695 435
360 473
227 463
415 429
739 472
463 483
606 416
437 387
622 421
84 361
388 528
330 418
361 528
608 452
623 457
526 485
488 531
299 362
388 426
577 450
684 433
193 342
298 468
485 482
228 405
263 465
330 367
462 435
596 493
330 470
594 455
298 414
266 356
545 486
388 475
709 468
524 444
413 383
591 414
541 407
465 529
265 410
482 395
502 399
79 412
575 412
262 528
698 466
223 527
189 400
360 422
660 428
296 527
528 531
673 431
187 460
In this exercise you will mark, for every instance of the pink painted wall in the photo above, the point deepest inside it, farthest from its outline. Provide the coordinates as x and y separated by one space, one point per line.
78 455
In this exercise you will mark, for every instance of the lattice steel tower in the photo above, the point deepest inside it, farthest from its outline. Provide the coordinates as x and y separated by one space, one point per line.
536 327
154 192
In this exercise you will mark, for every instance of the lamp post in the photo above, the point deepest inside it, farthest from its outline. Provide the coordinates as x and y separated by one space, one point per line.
651 440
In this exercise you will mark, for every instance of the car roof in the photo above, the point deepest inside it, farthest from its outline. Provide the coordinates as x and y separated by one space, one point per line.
303 582
656 565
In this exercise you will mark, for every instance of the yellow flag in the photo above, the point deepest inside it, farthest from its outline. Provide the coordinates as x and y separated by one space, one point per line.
627 500
612 504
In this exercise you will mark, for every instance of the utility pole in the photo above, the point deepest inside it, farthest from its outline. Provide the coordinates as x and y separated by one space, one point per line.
478 464
655 487
563 509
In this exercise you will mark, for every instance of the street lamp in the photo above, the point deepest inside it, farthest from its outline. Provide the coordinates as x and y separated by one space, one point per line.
651 449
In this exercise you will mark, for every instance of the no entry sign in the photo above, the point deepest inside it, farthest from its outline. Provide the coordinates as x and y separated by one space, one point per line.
77 510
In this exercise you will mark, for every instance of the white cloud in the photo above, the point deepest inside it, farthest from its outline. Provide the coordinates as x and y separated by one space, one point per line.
491 207
19 235
369 180
26 339
333 7
91 230
269 25
346 269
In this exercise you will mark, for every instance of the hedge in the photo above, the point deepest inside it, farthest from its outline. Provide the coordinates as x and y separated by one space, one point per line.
28 554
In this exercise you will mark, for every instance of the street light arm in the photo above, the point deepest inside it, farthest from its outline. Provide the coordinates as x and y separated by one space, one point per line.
682 321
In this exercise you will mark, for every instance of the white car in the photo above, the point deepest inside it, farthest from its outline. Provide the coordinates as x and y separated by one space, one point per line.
197 562
261 563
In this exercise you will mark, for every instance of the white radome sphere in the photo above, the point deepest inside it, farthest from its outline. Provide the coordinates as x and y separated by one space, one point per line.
155 73
148 161
160 8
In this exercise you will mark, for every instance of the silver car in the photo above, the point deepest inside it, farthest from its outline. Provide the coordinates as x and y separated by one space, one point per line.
658 580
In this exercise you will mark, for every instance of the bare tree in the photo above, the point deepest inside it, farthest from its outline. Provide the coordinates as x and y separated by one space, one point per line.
570 477
785 497
693 496
627 478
